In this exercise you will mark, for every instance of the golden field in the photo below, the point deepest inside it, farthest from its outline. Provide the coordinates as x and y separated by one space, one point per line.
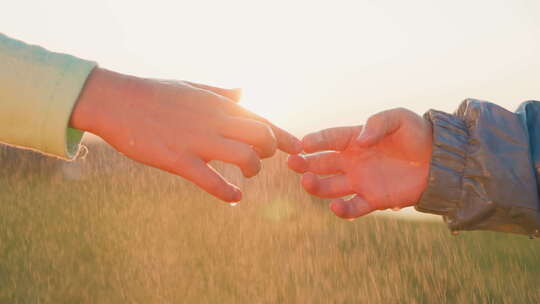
108 230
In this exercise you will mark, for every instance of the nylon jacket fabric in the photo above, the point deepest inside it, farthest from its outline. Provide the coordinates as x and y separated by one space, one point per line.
484 168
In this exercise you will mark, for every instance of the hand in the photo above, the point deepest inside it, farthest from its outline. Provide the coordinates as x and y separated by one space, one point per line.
179 127
385 163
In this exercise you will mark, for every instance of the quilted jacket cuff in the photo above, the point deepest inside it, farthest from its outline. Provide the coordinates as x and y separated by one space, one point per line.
450 140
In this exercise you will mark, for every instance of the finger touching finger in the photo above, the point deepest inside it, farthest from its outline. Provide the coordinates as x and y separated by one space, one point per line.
297 163
352 208
328 187
286 141
330 139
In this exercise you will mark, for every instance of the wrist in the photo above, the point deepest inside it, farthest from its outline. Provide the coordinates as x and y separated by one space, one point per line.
425 164
99 100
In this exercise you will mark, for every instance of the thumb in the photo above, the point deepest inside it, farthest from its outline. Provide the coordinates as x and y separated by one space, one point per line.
378 126
232 94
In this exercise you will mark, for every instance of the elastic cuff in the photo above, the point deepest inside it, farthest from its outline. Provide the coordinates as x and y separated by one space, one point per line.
450 140
63 101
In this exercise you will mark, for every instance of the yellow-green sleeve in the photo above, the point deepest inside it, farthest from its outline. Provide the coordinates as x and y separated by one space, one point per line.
38 91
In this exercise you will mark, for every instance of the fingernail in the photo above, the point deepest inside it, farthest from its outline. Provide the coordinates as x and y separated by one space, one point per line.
237 196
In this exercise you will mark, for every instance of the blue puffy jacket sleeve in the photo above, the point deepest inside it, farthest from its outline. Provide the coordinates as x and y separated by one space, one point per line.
484 168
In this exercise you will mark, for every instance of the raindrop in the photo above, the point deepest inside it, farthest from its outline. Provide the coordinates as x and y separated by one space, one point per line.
82 153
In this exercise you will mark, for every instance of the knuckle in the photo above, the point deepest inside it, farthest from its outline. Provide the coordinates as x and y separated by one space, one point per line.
247 156
264 133
265 139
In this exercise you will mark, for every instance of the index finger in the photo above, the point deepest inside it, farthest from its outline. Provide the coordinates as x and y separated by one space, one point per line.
286 141
336 139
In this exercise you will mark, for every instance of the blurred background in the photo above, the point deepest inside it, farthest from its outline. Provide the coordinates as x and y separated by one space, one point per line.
104 229
305 64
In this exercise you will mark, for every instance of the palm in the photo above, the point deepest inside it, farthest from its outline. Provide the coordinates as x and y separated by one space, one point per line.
385 175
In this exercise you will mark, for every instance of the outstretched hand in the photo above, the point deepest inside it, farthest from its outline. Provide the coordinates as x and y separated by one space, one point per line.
179 127
385 163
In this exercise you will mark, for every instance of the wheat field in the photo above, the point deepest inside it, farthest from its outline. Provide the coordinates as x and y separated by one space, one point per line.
108 230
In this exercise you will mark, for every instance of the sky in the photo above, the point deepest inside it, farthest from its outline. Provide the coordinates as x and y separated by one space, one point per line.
306 65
